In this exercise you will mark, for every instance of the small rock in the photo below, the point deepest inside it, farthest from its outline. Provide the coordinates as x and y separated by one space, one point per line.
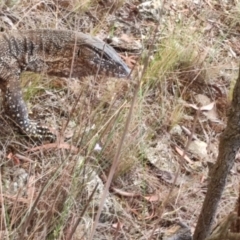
198 148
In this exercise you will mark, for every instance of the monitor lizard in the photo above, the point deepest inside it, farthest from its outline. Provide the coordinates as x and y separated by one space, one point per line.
56 52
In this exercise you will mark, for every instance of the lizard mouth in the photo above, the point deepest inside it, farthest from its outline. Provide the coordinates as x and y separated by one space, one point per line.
106 64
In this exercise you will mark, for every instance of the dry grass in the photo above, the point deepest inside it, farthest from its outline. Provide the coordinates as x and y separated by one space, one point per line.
62 189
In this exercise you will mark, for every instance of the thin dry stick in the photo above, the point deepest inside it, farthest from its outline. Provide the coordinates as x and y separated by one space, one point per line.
69 237
114 164
28 219
228 147
117 155
79 95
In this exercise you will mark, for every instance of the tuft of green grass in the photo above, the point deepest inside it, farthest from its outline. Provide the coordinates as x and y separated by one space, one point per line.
170 54
31 83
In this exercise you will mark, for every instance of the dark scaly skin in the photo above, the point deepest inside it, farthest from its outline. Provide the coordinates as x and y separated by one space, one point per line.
57 53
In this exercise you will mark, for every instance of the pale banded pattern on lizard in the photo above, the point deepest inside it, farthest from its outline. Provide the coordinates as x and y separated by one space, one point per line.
57 53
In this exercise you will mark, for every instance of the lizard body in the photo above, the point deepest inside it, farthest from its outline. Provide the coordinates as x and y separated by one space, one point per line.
57 53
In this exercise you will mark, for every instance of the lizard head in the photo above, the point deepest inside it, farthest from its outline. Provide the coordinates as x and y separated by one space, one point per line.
100 58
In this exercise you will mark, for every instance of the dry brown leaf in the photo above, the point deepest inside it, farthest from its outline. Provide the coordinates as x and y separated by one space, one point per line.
194 106
23 158
152 198
48 146
123 193
181 152
203 108
118 225
14 158
207 107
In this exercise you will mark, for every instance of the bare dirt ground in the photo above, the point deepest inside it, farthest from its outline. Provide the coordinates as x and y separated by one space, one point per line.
193 52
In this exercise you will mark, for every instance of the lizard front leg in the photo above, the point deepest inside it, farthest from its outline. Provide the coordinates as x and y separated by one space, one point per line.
16 110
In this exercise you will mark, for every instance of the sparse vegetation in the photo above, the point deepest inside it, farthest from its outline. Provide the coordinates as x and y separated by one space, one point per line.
54 191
